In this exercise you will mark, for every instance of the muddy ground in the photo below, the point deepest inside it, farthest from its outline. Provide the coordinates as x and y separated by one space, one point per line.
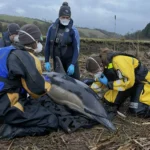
132 133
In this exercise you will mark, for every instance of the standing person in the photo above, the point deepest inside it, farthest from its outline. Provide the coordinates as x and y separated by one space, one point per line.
124 76
63 41
10 36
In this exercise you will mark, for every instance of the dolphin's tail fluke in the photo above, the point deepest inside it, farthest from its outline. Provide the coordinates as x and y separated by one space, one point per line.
105 122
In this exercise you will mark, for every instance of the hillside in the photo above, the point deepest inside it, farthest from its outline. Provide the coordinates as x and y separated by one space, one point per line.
44 24
8 18
84 32
110 34
91 33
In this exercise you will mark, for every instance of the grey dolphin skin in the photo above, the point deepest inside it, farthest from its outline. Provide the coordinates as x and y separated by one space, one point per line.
77 96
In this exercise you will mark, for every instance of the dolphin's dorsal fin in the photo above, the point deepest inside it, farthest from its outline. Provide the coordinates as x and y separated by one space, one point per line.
59 67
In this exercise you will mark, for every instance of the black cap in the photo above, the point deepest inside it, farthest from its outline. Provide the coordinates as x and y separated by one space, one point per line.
13 28
29 33
65 10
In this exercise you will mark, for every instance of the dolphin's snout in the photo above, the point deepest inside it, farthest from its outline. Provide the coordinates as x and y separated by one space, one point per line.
105 122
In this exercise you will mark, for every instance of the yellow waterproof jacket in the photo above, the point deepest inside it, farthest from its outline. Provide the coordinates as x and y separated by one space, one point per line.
97 86
128 72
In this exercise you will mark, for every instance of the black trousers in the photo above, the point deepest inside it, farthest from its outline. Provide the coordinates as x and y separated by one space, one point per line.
66 63
136 107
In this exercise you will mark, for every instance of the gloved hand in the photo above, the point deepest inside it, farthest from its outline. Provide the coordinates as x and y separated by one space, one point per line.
103 79
97 75
70 70
47 66
46 78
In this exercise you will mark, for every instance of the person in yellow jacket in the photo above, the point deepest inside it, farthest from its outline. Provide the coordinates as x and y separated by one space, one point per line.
125 76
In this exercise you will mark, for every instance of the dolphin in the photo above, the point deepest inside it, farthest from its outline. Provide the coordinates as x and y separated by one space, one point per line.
77 96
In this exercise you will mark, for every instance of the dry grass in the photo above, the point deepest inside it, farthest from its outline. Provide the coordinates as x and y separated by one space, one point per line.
132 133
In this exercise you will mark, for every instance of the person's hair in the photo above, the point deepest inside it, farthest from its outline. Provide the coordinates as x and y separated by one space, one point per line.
104 55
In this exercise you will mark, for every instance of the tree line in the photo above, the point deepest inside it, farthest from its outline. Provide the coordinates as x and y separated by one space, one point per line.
141 34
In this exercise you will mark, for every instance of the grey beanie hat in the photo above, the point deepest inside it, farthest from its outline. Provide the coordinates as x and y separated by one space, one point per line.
13 28
29 33
93 64
65 10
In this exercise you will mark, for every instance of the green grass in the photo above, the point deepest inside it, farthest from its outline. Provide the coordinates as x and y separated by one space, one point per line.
84 32
109 40
114 40
102 38
25 19
92 32
106 40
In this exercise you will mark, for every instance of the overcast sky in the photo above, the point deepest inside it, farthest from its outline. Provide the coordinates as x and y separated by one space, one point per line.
131 15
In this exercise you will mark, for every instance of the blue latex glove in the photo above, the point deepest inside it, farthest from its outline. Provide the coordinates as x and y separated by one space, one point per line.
70 70
47 66
103 79
47 78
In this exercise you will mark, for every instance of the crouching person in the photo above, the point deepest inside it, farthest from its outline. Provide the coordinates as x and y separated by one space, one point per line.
10 36
124 76
20 72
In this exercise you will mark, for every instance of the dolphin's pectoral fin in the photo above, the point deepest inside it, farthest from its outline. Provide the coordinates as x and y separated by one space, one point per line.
59 67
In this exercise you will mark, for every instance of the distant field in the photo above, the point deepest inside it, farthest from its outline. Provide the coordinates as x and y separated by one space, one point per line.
88 35
97 40
110 40
25 19
115 40
92 32
84 32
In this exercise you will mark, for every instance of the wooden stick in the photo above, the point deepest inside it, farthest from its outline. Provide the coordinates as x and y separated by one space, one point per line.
98 139
146 123
10 145
102 145
64 142
122 118
147 144
121 114
138 143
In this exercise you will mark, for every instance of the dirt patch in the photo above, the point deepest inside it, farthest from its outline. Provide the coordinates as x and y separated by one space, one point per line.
132 134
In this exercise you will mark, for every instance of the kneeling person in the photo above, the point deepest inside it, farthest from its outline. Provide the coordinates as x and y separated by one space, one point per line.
125 76
21 71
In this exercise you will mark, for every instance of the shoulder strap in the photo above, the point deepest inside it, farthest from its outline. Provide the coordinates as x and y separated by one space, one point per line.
54 31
